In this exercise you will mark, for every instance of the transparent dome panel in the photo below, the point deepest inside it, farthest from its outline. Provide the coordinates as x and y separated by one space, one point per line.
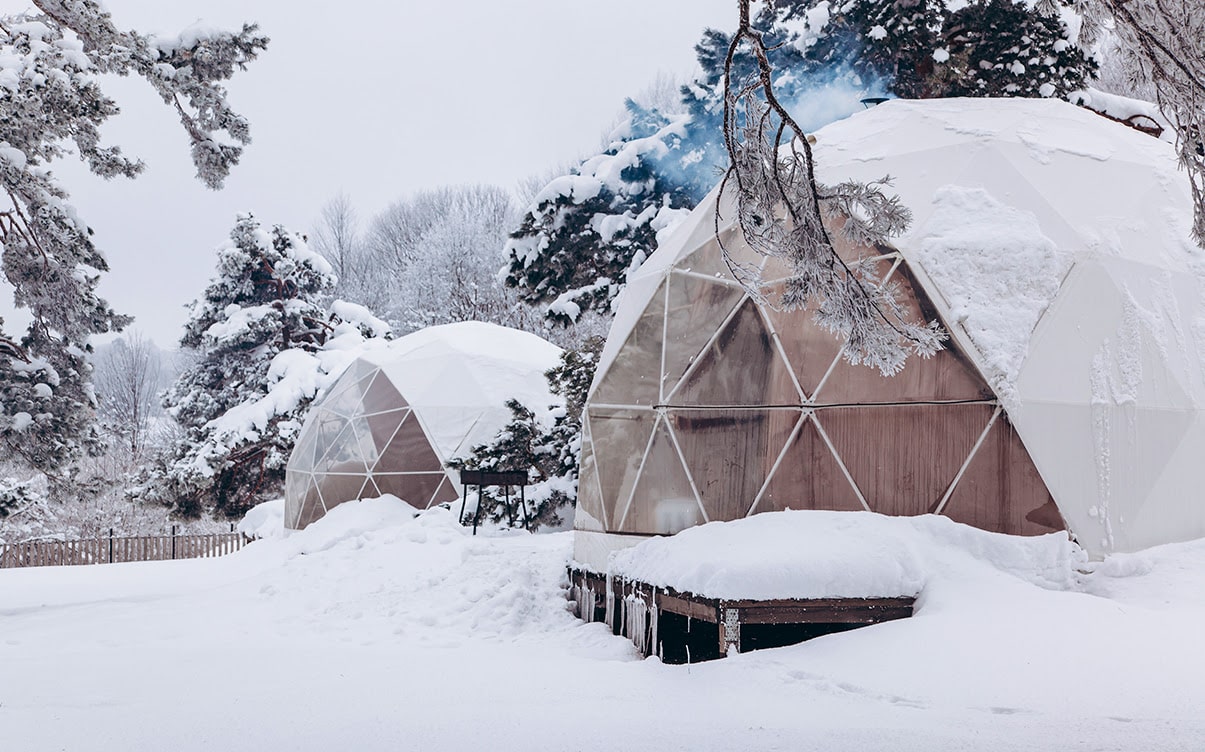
620 438
381 395
408 451
808 477
632 378
416 489
904 457
589 495
343 456
741 367
663 501
697 309
337 488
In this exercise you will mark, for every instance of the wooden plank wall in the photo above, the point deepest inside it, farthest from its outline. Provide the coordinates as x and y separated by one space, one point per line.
114 549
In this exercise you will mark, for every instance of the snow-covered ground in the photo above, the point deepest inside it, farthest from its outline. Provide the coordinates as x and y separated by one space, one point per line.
377 630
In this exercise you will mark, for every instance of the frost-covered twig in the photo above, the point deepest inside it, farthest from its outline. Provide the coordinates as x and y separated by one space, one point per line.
781 211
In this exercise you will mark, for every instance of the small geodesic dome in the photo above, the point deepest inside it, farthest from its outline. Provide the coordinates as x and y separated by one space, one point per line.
1054 247
397 415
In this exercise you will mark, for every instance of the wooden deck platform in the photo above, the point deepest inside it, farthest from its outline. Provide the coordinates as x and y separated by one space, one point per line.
683 627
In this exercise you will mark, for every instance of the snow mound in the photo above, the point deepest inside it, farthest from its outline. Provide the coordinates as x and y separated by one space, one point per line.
820 554
351 521
1157 577
384 569
264 520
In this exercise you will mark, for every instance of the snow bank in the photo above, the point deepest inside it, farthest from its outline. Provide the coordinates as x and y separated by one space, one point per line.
818 554
1168 575
381 639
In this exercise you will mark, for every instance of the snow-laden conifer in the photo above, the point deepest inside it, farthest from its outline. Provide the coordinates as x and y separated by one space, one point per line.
257 333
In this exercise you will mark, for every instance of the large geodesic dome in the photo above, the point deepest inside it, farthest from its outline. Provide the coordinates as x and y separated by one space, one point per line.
1054 246
397 415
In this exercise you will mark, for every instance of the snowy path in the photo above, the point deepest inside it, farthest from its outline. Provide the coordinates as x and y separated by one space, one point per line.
413 635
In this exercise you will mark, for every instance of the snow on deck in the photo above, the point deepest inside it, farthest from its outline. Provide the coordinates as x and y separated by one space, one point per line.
381 628
817 554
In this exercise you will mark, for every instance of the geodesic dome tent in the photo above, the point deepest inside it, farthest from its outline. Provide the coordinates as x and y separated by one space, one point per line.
1052 244
396 415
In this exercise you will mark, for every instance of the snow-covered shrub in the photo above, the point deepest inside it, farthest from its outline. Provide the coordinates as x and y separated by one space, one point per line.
16 493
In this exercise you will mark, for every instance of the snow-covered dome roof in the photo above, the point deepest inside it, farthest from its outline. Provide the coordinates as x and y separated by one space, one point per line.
398 413
1053 243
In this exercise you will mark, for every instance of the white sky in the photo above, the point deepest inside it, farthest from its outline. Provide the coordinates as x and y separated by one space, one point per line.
375 99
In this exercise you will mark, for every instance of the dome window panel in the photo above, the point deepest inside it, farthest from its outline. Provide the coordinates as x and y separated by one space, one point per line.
634 377
663 501
808 476
741 366
620 439
730 454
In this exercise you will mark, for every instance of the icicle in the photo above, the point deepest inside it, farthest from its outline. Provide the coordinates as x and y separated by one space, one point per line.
636 617
610 617
579 608
654 627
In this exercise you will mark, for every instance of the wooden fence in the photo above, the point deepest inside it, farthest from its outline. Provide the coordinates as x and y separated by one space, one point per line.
112 549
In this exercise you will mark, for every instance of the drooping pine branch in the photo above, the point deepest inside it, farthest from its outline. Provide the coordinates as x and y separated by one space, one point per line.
781 211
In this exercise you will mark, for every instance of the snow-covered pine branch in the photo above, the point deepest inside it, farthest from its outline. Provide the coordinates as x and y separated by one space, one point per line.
52 105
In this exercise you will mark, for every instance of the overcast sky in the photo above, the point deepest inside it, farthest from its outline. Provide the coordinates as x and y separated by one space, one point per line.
375 99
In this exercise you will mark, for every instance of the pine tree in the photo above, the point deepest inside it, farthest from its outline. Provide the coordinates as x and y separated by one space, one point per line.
574 247
924 49
52 103
263 308
1001 48
16 494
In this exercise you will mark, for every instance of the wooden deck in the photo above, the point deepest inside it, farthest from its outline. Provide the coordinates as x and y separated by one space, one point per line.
684 627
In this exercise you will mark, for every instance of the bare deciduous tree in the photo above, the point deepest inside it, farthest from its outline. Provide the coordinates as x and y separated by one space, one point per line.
781 211
1162 43
128 377
434 258
336 237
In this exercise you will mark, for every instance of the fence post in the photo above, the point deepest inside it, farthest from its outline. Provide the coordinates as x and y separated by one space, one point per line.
110 545
173 542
